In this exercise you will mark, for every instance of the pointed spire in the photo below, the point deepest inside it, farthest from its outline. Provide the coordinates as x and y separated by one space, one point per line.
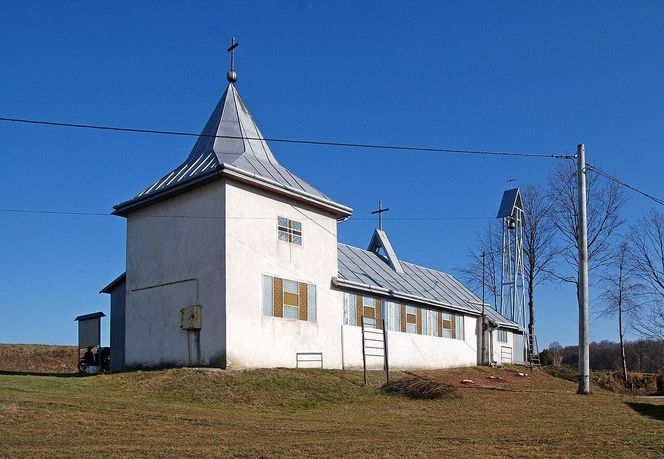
231 76
379 240
230 144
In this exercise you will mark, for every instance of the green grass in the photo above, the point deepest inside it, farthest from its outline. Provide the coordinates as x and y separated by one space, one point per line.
303 413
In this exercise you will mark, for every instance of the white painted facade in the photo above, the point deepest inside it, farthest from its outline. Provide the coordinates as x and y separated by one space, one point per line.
252 250
172 262
411 351
175 260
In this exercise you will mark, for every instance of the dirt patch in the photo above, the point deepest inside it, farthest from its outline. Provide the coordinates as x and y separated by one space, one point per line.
511 378
38 358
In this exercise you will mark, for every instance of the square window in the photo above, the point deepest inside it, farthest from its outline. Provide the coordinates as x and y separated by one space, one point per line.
289 230
502 336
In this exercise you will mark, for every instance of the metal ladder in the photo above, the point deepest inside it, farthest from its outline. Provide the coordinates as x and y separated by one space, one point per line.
533 352
374 344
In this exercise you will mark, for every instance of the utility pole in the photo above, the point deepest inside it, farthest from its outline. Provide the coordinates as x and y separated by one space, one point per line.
582 289
482 345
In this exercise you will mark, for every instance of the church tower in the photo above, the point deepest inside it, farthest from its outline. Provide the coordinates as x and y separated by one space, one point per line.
226 248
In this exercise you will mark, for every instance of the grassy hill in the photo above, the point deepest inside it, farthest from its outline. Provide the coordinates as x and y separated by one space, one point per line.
302 413
38 358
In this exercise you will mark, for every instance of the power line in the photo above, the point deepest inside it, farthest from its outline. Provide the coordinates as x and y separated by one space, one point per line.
103 214
615 179
291 141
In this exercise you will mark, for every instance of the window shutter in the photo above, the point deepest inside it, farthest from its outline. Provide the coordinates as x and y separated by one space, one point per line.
278 297
460 322
440 323
403 318
378 314
359 310
419 321
453 325
311 302
268 296
304 297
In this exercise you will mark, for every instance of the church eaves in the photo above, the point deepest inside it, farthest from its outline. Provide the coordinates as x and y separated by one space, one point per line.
231 145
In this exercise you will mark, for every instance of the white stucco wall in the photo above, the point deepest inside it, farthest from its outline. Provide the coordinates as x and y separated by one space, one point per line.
408 350
169 250
252 250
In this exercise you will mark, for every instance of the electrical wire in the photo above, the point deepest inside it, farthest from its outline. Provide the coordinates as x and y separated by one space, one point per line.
102 214
620 182
291 141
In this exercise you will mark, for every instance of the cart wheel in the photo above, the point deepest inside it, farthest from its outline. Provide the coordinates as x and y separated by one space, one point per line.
82 366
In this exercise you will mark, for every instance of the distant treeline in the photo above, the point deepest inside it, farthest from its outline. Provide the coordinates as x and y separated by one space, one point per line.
644 356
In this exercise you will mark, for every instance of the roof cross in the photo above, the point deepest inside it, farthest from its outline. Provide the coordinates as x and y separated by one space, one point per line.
510 180
231 76
380 214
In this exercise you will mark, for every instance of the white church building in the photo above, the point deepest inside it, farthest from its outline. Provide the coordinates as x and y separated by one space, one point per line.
233 261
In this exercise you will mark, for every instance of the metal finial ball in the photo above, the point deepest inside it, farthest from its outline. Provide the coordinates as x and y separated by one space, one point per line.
231 76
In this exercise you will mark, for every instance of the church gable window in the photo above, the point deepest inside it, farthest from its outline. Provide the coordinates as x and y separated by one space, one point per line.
289 230
289 299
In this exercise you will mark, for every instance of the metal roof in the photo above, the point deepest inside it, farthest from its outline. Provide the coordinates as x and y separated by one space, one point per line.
114 283
365 270
510 203
242 150
92 315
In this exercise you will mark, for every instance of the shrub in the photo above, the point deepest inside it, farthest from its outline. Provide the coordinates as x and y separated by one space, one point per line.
417 388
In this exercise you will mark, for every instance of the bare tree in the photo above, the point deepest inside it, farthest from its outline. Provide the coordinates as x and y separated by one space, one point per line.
605 201
648 257
539 244
489 243
556 353
621 295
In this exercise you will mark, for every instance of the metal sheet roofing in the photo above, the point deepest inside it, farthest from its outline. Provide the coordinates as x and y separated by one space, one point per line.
242 148
92 315
511 200
368 268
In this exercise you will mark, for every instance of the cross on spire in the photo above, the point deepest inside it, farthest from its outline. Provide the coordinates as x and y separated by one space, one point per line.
380 214
510 180
231 76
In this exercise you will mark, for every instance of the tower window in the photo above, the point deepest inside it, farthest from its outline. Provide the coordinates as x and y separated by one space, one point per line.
289 230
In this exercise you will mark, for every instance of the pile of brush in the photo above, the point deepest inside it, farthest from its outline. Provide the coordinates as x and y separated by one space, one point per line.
418 388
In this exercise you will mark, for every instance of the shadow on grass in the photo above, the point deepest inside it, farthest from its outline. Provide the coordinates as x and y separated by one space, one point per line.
648 409
36 373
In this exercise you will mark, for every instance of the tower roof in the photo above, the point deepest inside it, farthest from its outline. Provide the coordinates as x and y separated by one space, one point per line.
511 204
231 145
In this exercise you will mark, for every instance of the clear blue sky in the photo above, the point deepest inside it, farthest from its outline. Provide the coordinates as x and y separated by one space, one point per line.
527 76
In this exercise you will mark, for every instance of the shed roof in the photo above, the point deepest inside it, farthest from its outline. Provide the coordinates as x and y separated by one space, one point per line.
92 315
230 144
366 270
114 283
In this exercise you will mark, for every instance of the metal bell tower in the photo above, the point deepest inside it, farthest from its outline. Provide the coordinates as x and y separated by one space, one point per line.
512 273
